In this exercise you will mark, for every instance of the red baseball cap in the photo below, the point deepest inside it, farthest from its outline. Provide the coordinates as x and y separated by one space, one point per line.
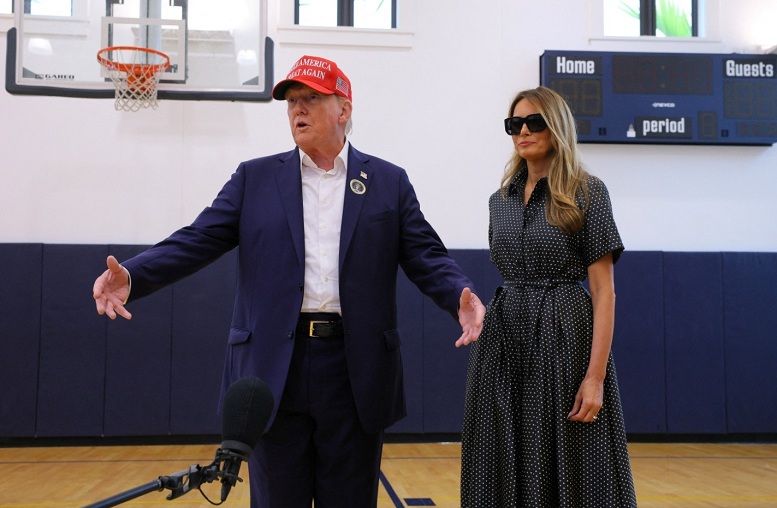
319 74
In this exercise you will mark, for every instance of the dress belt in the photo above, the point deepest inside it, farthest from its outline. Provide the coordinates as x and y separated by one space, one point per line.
320 325
537 283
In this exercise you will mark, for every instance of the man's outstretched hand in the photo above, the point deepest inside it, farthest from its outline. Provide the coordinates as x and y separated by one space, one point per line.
111 290
471 314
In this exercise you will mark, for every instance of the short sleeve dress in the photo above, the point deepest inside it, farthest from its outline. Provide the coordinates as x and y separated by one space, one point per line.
518 447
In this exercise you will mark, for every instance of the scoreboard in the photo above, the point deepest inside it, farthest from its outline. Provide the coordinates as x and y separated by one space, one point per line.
668 98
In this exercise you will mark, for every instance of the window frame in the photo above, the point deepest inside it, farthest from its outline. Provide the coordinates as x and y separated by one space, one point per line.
289 33
706 26
345 13
648 16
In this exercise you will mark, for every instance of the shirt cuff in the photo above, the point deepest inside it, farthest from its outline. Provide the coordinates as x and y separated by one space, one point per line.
129 286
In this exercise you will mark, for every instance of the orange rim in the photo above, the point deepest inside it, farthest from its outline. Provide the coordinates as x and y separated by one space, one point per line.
135 69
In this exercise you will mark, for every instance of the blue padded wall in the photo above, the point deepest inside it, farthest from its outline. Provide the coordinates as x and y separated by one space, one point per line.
445 365
201 314
694 346
410 314
20 314
638 341
137 364
71 389
750 327
695 361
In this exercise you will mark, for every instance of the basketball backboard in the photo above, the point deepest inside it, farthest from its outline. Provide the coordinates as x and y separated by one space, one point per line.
218 49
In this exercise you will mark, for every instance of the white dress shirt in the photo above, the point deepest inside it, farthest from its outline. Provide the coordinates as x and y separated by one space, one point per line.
323 193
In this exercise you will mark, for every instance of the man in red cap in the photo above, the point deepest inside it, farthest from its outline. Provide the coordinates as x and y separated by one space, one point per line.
321 231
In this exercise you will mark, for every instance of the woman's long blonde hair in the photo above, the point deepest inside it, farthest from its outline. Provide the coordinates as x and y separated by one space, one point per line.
566 176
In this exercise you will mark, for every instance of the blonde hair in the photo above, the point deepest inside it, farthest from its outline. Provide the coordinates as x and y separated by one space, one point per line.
566 175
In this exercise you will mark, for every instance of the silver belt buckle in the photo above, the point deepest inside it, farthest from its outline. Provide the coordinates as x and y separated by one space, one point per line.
313 323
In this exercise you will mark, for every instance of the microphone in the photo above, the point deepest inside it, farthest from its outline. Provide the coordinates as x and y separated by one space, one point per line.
247 408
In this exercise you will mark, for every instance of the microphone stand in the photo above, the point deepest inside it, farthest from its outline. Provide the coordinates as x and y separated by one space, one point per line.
178 484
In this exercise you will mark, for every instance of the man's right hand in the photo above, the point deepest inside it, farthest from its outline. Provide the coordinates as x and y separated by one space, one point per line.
111 290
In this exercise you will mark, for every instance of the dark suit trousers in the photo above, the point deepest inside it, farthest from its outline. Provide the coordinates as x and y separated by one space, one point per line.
316 448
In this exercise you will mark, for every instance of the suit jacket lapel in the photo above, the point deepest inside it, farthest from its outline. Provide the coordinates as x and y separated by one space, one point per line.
360 171
289 180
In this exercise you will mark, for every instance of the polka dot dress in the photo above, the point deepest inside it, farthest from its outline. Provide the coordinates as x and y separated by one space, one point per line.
518 448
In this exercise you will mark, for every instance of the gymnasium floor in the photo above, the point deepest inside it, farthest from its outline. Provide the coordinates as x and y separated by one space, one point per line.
665 475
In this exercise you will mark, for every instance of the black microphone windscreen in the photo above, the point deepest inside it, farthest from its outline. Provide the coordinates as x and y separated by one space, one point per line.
247 408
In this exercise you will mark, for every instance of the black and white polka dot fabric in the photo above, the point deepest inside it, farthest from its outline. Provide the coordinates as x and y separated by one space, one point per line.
518 448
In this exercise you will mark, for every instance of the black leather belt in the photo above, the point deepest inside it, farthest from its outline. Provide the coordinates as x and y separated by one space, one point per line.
320 325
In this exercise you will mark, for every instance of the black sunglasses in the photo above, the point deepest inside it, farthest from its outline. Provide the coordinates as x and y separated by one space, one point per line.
535 123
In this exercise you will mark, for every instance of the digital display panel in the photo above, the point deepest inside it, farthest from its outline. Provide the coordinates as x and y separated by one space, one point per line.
620 97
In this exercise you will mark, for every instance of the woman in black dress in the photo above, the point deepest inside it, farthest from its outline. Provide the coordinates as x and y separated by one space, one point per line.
543 425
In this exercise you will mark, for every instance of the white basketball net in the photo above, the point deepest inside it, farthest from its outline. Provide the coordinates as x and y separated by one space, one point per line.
135 72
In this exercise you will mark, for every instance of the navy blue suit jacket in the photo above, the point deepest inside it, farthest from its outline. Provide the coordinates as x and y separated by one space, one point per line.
259 210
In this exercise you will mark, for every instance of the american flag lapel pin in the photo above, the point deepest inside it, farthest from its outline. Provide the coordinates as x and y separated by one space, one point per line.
363 175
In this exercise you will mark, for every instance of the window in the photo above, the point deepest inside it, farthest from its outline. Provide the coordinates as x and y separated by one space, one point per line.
40 7
355 13
661 18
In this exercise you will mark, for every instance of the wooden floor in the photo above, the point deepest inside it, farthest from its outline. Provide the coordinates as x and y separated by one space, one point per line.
665 475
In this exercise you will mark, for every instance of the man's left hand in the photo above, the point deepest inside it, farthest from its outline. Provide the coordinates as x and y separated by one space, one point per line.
471 314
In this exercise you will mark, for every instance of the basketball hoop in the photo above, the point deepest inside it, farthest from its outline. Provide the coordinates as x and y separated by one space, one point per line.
135 72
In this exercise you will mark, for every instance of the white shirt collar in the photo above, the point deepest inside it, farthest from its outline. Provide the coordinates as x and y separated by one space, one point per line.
341 161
